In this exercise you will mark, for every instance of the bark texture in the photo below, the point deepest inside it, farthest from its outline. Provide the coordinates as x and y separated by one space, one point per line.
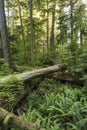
26 76
9 120
4 36
30 81
12 92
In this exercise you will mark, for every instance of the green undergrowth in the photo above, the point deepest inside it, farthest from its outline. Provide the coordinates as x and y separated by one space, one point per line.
55 106
9 90
5 71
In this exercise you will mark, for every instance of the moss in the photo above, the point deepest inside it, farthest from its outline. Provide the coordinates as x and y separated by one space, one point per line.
7 120
10 90
2 61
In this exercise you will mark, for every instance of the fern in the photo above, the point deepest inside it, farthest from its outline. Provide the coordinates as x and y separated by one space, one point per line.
61 110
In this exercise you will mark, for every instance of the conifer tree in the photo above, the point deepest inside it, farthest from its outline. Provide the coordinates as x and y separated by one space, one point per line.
4 36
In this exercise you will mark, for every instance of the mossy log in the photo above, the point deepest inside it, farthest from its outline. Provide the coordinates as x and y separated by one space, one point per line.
67 77
26 76
12 91
9 120
14 88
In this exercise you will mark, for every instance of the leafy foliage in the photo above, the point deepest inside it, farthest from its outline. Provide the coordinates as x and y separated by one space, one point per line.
9 90
65 108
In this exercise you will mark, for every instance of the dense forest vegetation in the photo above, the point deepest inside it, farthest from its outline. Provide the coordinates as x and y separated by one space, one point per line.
43 67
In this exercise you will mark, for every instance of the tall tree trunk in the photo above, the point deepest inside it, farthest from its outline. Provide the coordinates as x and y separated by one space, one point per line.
61 26
71 16
12 12
4 37
52 38
81 38
31 33
1 49
8 13
22 30
47 25
81 31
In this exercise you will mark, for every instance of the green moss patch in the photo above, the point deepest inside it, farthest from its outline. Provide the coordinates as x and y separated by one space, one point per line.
10 90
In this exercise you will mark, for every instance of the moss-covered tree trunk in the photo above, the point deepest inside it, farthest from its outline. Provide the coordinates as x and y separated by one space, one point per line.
14 88
9 120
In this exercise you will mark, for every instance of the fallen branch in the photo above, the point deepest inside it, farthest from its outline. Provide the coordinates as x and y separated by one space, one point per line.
9 120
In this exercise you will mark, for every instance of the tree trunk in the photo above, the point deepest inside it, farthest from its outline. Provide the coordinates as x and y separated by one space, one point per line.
81 38
47 25
62 34
22 30
64 77
71 18
12 19
4 36
31 33
9 120
8 12
30 78
52 37
1 49
27 76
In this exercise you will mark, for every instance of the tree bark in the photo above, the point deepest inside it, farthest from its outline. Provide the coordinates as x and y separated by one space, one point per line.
31 33
1 49
52 38
9 120
22 29
4 36
31 78
12 19
71 18
66 77
47 25
26 76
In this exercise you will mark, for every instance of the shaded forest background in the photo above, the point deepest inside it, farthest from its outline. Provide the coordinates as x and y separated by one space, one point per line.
35 34
41 33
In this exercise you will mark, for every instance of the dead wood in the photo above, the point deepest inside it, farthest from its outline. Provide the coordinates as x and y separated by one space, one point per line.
9 120
32 79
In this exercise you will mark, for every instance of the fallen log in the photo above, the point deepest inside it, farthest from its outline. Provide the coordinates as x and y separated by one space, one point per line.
66 77
35 73
11 89
9 120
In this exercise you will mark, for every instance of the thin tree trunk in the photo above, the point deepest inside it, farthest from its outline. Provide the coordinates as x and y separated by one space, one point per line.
52 38
31 33
71 16
4 36
81 35
61 24
12 11
22 30
1 49
47 26
9 120
81 38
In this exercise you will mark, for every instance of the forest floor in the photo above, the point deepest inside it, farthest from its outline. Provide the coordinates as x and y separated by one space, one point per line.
56 106
50 105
